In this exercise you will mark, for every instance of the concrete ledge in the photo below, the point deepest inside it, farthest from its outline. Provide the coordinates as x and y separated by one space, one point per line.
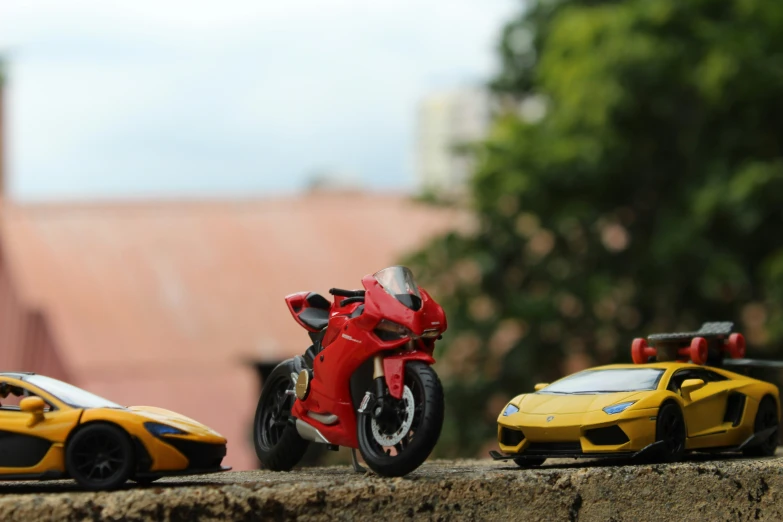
733 489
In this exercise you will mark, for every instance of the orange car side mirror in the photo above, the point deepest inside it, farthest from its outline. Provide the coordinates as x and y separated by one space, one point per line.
34 405
689 386
540 386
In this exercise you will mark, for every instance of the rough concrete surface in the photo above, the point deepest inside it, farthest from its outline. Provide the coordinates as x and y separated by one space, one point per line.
698 489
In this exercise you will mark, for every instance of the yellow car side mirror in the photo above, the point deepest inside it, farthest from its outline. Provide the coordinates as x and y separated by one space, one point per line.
689 386
34 405
540 386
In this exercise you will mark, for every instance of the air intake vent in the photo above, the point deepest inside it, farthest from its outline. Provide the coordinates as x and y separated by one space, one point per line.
609 436
735 406
509 437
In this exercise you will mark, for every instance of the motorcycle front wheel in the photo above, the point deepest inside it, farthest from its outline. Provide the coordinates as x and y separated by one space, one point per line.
402 441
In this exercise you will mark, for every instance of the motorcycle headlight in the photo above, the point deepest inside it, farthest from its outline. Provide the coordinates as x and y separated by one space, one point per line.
509 410
430 334
617 408
160 430
391 331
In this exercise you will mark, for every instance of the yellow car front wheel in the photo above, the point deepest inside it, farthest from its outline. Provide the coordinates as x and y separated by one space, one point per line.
670 430
527 462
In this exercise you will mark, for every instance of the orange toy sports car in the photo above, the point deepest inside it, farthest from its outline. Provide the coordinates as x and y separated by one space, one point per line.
52 430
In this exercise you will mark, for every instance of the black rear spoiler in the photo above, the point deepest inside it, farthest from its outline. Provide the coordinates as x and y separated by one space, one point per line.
751 363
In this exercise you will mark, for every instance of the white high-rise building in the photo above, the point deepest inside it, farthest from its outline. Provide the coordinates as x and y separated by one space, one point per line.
445 121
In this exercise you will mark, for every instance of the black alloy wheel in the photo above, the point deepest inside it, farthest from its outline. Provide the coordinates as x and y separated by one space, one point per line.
278 445
401 441
275 408
670 430
766 417
100 456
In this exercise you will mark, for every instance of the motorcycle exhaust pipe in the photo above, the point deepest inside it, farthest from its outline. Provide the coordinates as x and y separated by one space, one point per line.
310 433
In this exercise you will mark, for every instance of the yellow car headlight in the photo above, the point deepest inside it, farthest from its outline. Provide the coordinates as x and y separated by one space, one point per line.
618 408
509 410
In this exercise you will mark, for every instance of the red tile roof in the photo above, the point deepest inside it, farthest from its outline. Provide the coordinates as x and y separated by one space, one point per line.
165 302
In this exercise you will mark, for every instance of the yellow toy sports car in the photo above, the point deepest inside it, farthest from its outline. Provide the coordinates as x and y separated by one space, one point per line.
51 430
657 409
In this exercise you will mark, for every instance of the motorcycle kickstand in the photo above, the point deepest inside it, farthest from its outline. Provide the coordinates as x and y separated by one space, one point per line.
356 466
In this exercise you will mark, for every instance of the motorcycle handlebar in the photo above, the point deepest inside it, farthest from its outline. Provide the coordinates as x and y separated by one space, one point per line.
351 300
346 293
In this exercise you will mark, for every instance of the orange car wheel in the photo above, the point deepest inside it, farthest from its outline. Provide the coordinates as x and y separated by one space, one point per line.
99 456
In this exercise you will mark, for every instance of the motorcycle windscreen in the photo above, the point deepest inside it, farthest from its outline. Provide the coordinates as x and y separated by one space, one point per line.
398 282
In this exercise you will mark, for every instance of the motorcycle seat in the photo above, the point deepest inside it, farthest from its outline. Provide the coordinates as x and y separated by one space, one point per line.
316 318
318 301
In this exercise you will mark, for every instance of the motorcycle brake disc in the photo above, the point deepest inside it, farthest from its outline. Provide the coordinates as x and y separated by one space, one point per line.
390 439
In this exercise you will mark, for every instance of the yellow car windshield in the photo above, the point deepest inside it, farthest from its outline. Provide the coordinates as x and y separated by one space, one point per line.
607 381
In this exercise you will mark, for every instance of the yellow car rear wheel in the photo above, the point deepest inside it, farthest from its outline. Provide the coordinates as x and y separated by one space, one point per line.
766 417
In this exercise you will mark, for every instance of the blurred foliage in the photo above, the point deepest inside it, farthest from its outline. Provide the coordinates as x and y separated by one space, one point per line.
633 183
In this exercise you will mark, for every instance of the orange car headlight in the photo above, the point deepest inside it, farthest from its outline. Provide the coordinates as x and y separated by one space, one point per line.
159 430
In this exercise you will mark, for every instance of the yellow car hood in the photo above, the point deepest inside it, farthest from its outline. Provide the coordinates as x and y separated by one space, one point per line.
173 419
550 403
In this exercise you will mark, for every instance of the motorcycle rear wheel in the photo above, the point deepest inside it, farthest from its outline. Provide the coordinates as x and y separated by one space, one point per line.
421 432
278 445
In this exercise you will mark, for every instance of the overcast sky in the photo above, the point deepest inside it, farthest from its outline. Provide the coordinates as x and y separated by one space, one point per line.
153 98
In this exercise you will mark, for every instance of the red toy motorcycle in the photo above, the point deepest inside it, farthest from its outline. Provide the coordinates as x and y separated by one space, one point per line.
366 381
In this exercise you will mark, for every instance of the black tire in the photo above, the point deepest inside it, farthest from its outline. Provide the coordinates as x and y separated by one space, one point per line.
418 442
278 445
100 456
670 428
766 417
527 462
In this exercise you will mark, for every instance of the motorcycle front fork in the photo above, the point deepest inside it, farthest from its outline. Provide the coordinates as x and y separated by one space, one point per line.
372 403
373 400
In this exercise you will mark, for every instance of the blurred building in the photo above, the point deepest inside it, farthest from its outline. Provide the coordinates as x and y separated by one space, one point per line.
181 304
327 180
446 121
3 159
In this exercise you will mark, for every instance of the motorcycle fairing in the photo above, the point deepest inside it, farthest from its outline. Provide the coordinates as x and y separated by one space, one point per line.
350 342
394 369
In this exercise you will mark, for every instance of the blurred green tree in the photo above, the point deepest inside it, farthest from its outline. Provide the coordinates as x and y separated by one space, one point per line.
632 184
